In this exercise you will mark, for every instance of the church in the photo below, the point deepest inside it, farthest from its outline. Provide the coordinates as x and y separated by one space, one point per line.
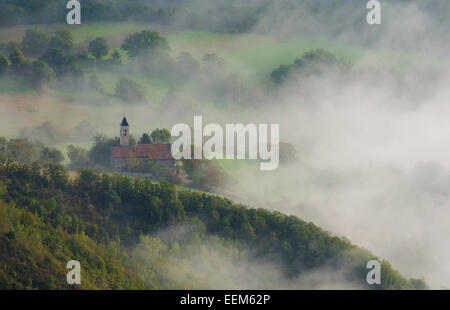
159 154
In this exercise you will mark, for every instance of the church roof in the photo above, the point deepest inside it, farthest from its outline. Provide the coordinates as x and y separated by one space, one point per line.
124 122
150 151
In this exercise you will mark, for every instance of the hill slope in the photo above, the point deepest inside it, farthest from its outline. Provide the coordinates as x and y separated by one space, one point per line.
132 234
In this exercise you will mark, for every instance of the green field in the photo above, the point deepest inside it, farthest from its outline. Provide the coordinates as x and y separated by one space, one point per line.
81 33
85 32
257 62
252 57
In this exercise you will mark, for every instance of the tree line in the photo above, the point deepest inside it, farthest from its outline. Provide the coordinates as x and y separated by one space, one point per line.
42 59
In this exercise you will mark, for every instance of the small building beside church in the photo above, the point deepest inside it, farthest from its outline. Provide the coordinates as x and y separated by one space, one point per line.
159 154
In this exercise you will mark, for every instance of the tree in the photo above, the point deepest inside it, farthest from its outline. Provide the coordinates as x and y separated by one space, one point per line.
52 156
312 62
3 64
78 156
316 56
22 150
10 14
57 175
41 73
160 136
205 174
62 39
280 74
61 62
145 139
100 153
144 43
129 91
99 48
419 284
3 146
18 61
35 41
116 57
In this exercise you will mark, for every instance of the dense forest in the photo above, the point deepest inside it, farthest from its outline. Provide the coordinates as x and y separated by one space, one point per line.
103 220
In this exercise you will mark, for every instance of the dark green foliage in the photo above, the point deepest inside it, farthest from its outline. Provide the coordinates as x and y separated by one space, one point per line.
62 39
89 218
53 156
3 64
116 58
24 150
57 176
313 62
61 62
155 170
10 14
35 41
99 48
99 218
40 73
160 136
100 153
419 284
145 43
145 139
78 156
19 64
130 91
205 174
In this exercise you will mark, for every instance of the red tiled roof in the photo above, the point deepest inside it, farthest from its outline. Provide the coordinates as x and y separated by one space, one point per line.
151 151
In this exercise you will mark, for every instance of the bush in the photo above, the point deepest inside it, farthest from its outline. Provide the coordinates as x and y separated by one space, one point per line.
100 153
311 63
61 62
145 43
78 156
18 61
99 48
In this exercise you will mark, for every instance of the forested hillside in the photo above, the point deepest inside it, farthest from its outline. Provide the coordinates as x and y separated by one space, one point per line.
132 233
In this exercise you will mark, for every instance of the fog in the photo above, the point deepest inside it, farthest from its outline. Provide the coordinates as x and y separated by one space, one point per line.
373 143
213 264
373 166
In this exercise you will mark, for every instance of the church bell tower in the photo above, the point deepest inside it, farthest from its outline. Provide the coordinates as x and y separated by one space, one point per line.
124 133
